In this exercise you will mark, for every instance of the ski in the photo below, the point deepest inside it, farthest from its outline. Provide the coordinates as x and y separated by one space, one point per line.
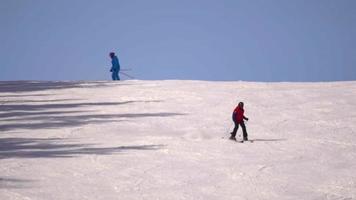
239 141
243 141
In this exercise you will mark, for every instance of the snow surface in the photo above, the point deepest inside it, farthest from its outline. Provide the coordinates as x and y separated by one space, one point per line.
168 140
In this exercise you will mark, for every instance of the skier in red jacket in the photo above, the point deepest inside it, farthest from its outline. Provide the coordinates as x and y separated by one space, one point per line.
238 118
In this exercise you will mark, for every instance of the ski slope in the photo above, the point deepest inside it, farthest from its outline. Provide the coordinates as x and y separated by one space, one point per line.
168 140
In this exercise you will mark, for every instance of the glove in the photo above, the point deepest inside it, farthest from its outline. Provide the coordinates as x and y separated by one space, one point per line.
246 119
110 70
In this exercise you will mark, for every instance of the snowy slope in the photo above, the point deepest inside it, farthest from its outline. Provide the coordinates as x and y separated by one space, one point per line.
167 140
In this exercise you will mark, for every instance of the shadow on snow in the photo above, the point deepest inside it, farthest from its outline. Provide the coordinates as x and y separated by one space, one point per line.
54 148
14 183
56 113
36 86
38 107
21 114
37 116
45 121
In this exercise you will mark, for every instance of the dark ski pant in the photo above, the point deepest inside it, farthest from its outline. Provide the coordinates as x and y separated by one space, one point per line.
244 132
115 75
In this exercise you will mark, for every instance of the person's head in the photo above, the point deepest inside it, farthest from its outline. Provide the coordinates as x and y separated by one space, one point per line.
112 54
241 104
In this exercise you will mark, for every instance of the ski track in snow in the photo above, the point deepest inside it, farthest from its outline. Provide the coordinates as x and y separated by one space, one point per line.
168 140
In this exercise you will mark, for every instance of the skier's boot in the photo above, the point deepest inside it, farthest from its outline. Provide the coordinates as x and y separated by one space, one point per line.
232 138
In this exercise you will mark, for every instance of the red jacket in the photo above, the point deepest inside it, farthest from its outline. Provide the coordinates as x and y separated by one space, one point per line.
238 114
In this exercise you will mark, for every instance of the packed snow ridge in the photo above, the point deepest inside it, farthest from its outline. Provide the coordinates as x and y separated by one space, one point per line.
169 140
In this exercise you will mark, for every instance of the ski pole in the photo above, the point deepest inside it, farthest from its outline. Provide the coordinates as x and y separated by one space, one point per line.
125 74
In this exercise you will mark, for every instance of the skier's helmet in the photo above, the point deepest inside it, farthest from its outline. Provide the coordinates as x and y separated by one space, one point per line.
241 104
112 54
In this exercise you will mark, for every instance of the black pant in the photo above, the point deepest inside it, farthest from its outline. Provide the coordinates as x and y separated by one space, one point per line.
244 132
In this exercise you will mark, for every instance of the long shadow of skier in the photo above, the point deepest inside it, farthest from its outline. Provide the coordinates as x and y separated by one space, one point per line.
268 140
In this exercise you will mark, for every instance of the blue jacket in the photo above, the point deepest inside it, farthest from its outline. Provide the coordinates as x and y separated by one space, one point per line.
115 64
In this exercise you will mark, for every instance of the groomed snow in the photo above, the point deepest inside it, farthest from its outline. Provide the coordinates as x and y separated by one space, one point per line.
168 140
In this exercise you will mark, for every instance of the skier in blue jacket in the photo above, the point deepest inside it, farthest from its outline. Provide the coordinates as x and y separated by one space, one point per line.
115 69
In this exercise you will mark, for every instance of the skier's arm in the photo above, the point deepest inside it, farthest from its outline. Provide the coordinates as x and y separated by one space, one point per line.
112 65
116 64
234 115
245 118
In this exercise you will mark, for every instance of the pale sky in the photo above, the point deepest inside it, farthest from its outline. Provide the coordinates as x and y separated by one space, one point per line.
220 40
